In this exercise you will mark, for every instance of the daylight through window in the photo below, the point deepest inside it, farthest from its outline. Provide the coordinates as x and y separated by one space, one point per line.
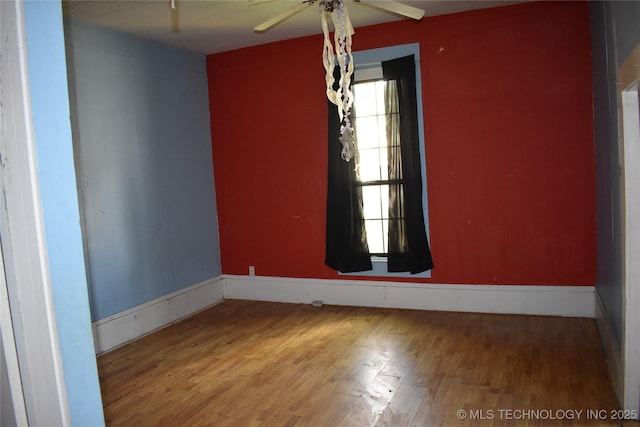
371 119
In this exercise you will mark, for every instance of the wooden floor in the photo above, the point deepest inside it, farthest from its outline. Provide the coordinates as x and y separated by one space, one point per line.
244 363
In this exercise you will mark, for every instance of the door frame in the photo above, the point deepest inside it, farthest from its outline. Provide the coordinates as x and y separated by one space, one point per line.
23 239
629 110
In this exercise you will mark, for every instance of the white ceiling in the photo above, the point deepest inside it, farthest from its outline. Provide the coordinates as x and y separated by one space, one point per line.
211 26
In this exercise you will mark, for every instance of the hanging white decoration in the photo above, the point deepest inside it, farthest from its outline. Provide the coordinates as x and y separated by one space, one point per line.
335 11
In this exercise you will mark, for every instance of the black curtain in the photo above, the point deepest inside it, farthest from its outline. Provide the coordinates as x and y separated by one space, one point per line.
346 242
408 248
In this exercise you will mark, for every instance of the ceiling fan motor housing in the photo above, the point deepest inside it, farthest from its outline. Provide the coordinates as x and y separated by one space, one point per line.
330 5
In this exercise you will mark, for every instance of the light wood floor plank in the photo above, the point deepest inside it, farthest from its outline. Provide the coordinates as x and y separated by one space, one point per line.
244 363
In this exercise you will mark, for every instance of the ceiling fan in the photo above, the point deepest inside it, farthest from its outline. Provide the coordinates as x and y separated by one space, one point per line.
329 5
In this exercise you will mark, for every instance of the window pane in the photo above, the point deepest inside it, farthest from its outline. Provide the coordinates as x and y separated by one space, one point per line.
375 236
367 133
395 169
371 201
392 106
380 96
384 200
369 165
385 235
382 131
365 99
384 162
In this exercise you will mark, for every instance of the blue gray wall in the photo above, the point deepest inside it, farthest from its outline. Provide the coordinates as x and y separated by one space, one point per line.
143 148
615 32
52 129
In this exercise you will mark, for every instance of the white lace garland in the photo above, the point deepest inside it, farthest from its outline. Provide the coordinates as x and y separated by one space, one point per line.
335 11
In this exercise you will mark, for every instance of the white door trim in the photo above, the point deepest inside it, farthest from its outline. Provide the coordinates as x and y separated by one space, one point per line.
628 78
8 349
23 235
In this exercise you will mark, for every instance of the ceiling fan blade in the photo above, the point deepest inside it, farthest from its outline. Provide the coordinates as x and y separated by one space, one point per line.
349 25
395 7
280 17
259 2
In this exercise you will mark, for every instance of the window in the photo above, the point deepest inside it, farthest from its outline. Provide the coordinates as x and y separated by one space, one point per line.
372 172
371 181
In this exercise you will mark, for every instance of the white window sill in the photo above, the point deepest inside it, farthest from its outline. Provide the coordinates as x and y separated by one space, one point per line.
380 270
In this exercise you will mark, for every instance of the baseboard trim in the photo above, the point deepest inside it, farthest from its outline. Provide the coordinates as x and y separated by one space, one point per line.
570 301
121 328
125 326
610 348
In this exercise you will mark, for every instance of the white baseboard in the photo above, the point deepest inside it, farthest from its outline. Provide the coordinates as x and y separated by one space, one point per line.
611 349
120 328
128 325
570 301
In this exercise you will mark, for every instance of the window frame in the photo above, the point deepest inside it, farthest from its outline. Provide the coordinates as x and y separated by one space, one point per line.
366 64
380 183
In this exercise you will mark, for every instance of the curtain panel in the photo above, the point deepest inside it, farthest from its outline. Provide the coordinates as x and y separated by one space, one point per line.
408 246
346 239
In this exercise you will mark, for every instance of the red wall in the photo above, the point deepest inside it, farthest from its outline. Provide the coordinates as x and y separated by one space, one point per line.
509 145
